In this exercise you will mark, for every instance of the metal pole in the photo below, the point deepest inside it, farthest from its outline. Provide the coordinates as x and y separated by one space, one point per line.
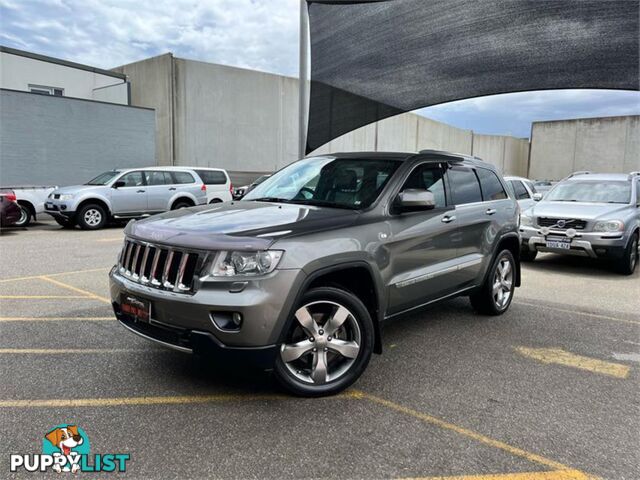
303 98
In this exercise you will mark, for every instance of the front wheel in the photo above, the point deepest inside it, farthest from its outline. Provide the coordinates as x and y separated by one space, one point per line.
91 217
327 345
494 297
626 265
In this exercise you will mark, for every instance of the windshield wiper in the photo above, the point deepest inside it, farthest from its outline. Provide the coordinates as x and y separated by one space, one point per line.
271 199
323 203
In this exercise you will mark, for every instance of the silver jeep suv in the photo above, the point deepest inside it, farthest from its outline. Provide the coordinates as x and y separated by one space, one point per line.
121 194
299 276
590 215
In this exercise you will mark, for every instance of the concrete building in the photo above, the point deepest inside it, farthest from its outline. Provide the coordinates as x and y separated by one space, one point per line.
605 144
63 123
246 121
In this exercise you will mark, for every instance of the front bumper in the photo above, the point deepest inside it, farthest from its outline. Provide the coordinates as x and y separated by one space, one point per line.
583 244
185 321
59 209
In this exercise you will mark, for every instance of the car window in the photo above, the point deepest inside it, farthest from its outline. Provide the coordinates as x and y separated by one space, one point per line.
428 176
132 179
531 186
183 177
520 191
212 177
158 178
492 188
465 185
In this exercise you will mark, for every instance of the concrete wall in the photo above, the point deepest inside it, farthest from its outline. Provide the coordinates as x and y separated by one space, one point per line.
508 154
18 72
606 144
46 140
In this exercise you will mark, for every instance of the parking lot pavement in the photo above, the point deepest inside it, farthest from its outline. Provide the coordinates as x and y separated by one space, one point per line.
548 391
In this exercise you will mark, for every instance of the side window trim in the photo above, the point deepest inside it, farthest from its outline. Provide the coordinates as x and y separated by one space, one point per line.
465 167
142 175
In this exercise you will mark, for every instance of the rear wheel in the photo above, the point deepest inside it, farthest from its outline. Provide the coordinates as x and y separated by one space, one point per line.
495 296
626 265
328 343
25 217
91 217
181 204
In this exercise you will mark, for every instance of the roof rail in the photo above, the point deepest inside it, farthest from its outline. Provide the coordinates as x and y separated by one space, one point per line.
634 174
579 172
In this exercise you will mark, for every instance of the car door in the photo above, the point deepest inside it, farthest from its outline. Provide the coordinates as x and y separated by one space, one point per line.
160 188
422 244
131 198
477 218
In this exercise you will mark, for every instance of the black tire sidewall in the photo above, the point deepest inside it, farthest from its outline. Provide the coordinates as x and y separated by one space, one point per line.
27 213
624 264
362 316
80 217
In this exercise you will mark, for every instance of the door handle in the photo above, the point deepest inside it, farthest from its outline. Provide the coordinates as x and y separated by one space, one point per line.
172 188
140 191
491 211
448 218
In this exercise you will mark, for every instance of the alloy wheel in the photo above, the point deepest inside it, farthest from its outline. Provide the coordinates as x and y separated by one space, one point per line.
503 283
93 217
323 344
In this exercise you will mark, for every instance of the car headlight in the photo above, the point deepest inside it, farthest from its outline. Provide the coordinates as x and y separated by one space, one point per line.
65 196
525 220
245 263
609 226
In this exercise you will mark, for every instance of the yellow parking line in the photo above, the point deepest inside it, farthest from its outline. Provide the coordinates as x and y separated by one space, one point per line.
72 272
553 475
66 351
532 457
578 312
55 319
561 357
75 289
119 401
40 297
107 240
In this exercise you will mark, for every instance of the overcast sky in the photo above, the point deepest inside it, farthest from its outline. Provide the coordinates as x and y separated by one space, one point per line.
257 34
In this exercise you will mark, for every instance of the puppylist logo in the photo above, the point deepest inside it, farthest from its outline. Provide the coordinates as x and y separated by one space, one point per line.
66 448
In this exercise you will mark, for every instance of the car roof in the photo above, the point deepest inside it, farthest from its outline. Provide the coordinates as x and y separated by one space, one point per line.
514 177
402 156
599 176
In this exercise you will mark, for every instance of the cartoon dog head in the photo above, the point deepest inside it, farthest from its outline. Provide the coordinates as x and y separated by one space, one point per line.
65 438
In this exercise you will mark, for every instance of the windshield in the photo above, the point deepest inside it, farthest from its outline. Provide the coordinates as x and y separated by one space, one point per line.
339 183
103 178
591 191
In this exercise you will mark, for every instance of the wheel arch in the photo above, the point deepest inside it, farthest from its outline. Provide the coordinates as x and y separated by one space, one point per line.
182 198
97 201
29 206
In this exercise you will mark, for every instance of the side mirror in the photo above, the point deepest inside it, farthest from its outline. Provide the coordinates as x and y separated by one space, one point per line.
537 197
415 199
118 184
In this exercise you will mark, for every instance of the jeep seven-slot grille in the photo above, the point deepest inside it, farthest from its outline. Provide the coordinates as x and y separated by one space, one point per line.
158 266
562 223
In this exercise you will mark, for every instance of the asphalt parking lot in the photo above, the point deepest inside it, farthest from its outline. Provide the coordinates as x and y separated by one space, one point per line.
548 391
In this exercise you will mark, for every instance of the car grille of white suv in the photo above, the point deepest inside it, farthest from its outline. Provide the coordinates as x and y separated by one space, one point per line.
157 266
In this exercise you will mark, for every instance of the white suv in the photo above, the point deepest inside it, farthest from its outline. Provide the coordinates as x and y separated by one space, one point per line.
219 186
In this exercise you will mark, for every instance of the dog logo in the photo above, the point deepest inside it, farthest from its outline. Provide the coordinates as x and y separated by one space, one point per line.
68 441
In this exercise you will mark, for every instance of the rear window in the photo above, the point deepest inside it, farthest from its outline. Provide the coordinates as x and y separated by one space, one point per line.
465 186
491 187
183 177
212 177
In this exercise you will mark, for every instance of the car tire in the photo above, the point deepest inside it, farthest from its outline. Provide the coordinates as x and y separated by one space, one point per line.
64 223
181 204
626 265
527 255
215 200
500 281
25 217
331 350
91 217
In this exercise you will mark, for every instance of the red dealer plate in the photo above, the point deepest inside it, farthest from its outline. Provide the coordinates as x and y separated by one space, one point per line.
135 307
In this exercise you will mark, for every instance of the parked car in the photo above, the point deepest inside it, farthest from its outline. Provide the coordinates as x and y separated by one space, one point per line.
219 186
524 190
590 215
242 191
31 201
122 194
543 186
299 275
9 209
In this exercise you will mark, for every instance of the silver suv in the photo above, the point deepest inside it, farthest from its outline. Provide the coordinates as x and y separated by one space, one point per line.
590 215
121 194
299 276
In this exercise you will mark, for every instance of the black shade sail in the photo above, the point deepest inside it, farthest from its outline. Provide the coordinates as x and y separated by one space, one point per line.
371 60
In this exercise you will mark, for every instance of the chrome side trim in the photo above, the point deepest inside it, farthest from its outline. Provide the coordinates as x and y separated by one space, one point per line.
436 273
155 340
454 294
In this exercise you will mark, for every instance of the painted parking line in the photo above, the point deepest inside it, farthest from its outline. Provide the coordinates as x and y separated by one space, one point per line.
552 475
568 359
67 351
41 297
56 319
110 240
58 274
578 312
75 289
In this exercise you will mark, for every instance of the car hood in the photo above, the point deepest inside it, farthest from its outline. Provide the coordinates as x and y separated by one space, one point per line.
74 189
237 225
581 210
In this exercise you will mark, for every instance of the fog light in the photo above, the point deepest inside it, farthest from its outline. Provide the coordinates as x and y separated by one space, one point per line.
237 319
229 321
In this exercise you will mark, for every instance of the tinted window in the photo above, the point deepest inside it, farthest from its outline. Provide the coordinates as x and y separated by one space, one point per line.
491 187
183 177
464 183
158 178
428 177
520 191
132 179
212 177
